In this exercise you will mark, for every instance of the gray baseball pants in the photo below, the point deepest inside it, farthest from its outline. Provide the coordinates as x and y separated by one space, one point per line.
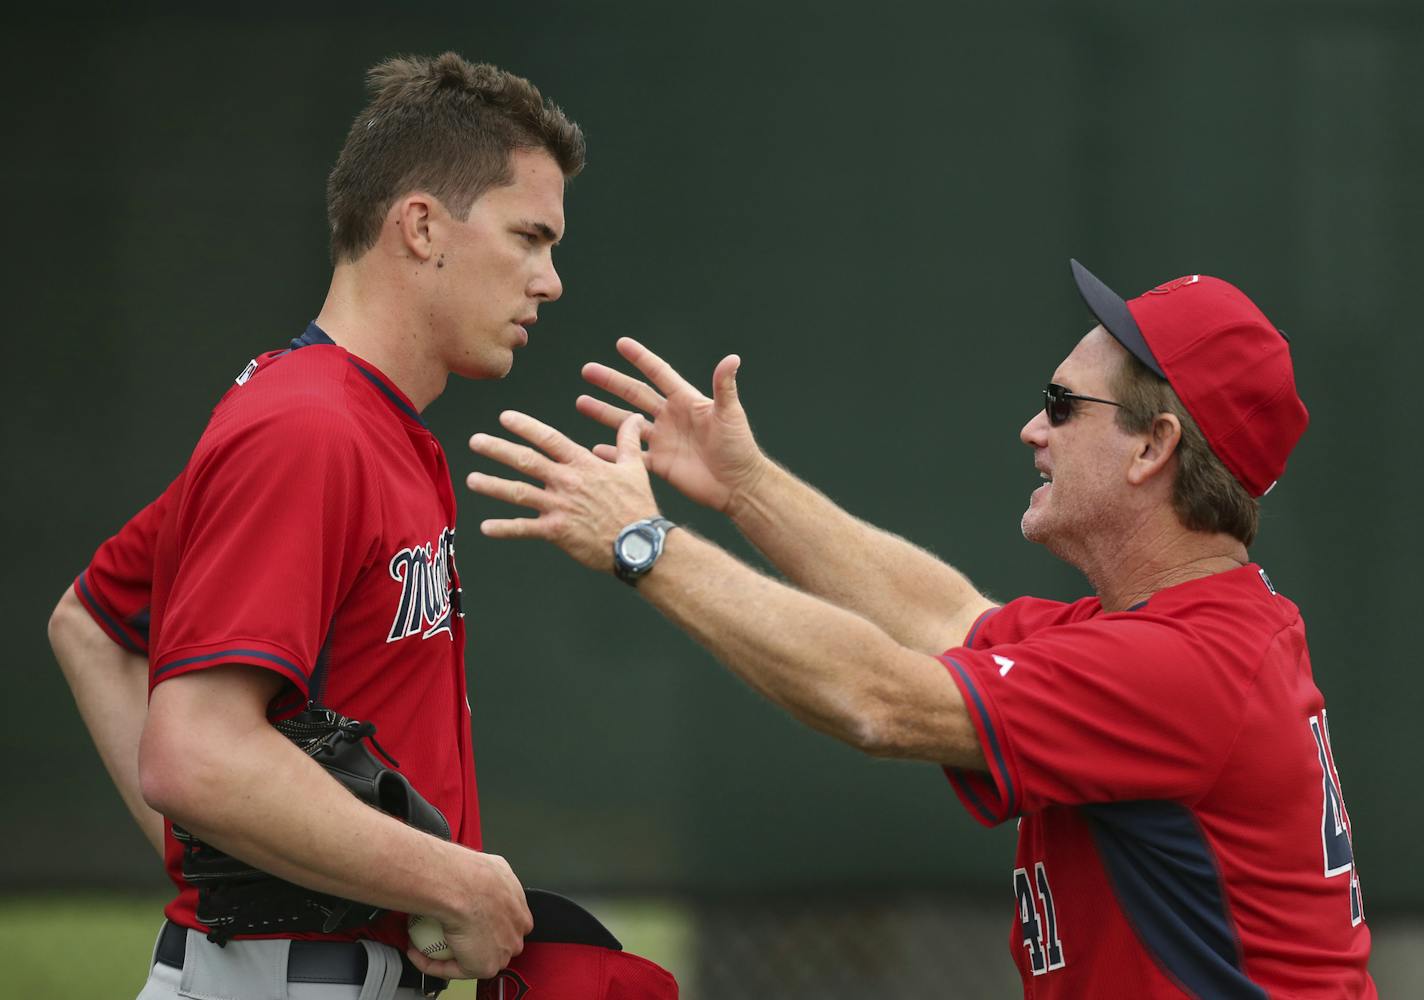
257 970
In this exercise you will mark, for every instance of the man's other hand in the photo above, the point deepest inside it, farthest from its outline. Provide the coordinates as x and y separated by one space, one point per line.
703 447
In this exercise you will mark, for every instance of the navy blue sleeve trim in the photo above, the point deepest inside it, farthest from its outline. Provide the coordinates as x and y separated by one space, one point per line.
974 629
966 788
286 666
1011 803
114 627
396 401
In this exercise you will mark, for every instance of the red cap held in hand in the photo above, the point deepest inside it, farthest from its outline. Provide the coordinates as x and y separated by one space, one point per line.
570 955
1228 364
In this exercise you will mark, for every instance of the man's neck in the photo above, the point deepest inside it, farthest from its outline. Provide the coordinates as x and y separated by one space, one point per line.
1157 555
369 319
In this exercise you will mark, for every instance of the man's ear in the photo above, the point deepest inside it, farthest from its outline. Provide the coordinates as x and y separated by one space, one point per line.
1156 448
411 216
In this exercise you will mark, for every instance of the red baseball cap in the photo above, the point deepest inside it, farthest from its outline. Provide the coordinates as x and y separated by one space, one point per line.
1229 365
570 955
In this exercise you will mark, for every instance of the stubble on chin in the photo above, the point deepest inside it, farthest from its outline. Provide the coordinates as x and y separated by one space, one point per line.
1026 526
1031 524
1034 530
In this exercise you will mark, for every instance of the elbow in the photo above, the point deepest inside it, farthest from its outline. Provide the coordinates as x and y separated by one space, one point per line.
871 730
170 773
900 730
157 779
65 619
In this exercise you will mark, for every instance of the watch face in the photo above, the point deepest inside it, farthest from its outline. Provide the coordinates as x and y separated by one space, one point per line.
636 548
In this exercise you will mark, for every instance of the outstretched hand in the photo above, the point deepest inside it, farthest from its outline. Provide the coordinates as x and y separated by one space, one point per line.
585 500
703 447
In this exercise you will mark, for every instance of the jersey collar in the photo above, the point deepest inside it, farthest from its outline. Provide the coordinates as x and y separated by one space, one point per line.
315 335
312 335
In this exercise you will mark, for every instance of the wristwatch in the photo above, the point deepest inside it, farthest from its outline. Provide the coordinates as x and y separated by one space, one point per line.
638 546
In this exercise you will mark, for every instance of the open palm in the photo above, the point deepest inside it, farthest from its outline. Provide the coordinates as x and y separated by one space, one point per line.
703 447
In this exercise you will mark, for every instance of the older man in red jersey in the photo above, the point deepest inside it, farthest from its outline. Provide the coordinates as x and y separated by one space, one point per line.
1162 743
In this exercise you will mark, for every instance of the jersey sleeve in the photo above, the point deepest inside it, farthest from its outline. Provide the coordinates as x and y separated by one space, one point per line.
116 588
1116 707
276 519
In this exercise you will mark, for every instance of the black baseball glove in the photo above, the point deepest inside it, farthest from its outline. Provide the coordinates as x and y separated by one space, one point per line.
235 898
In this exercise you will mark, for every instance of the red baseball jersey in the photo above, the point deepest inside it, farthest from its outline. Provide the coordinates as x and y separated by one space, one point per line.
311 534
117 587
1181 826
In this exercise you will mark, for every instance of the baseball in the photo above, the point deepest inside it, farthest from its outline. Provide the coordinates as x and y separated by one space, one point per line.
428 937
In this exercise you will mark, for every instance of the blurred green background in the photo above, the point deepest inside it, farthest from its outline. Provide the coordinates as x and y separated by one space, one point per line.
875 206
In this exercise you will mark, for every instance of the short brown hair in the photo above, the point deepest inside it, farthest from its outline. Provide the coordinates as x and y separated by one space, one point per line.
442 125
1205 495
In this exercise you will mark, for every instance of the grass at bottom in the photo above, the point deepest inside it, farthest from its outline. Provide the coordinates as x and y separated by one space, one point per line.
93 947
67 947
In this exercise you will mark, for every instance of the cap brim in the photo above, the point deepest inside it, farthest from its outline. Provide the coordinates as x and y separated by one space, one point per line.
1112 312
559 920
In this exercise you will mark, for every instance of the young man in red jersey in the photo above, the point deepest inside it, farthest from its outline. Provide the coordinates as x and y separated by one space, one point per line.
305 556
1162 744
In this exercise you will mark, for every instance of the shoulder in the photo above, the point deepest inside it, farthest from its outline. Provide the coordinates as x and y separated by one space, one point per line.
1214 633
1238 613
293 426
1024 616
298 398
313 372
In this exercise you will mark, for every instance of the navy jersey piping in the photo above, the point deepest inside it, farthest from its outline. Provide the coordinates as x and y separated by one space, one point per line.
315 335
957 778
1011 801
285 665
396 401
114 626
974 629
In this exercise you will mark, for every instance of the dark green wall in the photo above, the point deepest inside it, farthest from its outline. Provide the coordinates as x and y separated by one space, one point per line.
874 205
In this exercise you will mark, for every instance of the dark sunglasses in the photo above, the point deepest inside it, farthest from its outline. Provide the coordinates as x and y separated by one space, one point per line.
1058 403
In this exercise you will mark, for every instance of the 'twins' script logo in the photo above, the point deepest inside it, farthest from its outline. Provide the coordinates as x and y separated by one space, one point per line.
425 574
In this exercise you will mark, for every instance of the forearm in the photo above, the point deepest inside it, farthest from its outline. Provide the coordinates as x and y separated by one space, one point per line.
110 689
211 761
826 665
917 599
257 797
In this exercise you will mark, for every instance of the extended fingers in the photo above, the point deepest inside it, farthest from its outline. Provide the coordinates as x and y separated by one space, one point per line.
509 490
724 381
605 413
658 371
625 387
514 527
518 457
630 438
551 441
